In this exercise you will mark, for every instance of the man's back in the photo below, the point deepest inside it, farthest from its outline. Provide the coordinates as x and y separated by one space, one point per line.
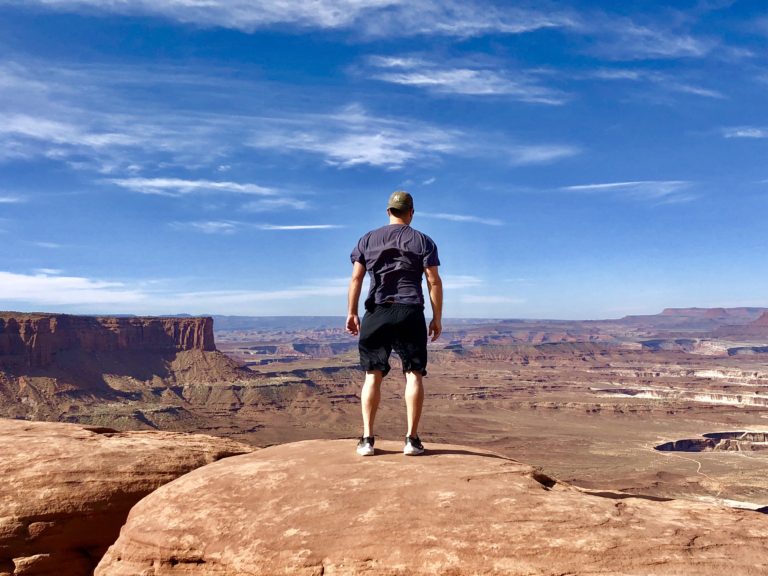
395 257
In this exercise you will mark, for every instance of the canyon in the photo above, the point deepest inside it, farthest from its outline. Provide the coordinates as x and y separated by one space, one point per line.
657 407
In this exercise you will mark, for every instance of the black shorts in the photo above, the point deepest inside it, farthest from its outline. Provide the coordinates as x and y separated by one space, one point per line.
398 326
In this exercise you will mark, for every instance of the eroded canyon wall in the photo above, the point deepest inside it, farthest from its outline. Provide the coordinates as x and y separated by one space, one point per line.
34 340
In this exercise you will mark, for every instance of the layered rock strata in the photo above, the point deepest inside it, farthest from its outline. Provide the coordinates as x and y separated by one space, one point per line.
34 340
67 489
315 508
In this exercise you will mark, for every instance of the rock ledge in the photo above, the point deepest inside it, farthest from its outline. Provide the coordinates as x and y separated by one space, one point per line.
315 508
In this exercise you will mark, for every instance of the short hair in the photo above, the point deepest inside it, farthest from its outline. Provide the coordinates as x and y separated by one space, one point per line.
398 213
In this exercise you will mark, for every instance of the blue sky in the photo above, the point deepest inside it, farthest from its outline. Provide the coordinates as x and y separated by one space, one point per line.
571 159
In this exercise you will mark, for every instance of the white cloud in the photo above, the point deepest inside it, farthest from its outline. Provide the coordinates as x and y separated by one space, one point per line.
242 298
10 200
429 181
664 81
49 245
618 74
209 227
352 137
231 226
663 191
180 187
54 290
74 121
372 18
48 271
696 90
78 116
624 39
91 296
273 204
462 218
298 226
540 154
459 282
746 132
448 79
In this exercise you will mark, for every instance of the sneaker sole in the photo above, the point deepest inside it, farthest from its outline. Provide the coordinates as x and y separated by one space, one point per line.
365 452
411 451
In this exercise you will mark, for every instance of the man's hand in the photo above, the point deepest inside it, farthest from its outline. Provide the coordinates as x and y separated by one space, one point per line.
353 324
355 285
435 329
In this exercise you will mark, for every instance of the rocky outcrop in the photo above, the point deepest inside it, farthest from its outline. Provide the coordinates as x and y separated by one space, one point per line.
743 441
315 508
761 321
35 340
755 330
67 489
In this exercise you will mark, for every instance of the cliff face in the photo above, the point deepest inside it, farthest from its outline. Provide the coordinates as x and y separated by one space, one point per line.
757 329
762 321
67 489
34 340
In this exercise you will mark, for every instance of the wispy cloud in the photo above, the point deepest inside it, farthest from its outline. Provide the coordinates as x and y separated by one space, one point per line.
293 227
48 245
746 132
624 39
664 81
218 299
445 78
232 226
74 119
353 137
369 18
661 191
695 90
459 282
274 204
462 218
540 153
75 115
180 187
11 200
209 226
48 289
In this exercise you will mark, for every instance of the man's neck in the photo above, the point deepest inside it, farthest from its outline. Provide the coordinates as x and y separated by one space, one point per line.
394 220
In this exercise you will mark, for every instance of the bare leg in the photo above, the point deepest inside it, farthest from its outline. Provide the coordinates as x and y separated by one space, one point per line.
414 400
370 396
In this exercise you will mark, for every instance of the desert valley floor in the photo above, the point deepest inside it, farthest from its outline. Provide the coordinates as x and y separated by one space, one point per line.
665 406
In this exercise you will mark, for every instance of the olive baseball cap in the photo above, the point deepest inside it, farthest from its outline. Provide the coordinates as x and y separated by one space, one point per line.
400 200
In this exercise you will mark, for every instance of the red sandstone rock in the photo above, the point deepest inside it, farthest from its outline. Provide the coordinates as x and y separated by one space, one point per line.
757 329
33 340
315 508
66 489
761 321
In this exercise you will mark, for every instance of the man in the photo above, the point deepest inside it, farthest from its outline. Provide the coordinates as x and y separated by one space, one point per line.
396 257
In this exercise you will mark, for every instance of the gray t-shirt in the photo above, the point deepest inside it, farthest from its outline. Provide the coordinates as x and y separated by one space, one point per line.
395 257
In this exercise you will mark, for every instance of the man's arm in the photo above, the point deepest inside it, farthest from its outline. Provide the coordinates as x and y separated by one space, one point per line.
355 287
435 287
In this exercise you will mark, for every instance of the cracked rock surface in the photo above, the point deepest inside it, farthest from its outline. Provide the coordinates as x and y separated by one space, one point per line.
315 507
67 489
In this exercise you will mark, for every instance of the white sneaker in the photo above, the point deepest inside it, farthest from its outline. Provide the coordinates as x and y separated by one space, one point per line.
365 446
413 446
